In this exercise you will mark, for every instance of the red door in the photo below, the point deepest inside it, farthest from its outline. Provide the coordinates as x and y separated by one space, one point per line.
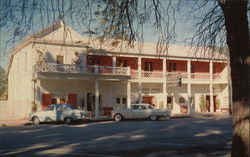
214 97
46 101
72 99
208 103
62 101
148 100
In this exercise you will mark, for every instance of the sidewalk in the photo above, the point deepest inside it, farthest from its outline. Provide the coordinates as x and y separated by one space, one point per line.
13 122
201 115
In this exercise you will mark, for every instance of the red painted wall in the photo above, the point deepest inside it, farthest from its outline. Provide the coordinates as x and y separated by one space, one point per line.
99 60
156 63
72 99
218 67
181 66
131 62
199 67
46 101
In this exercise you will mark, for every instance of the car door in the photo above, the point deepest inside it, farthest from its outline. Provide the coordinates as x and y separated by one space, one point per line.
49 115
148 111
60 112
139 112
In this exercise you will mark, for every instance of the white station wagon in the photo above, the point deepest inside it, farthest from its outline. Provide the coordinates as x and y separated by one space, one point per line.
140 111
57 112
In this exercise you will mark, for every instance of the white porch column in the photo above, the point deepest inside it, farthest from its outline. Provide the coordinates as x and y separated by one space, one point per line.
84 62
114 61
140 83
211 86
96 98
165 95
189 85
128 94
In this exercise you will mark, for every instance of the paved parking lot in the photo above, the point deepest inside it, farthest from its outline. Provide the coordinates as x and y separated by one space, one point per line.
175 137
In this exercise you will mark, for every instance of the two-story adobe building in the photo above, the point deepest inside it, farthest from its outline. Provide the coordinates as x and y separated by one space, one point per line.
57 65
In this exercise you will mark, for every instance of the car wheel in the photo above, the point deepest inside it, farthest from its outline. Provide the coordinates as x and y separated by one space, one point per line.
153 118
118 117
68 120
36 121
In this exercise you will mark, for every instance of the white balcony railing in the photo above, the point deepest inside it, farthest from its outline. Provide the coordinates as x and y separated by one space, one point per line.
152 74
200 76
219 77
134 74
123 71
79 69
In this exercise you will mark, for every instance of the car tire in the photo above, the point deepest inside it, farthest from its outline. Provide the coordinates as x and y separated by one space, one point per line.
68 120
36 121
118 117
153 118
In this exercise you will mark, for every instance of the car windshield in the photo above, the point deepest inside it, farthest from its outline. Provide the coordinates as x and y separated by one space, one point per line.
50 108
142 107
134 107
72 107
150 107
61 107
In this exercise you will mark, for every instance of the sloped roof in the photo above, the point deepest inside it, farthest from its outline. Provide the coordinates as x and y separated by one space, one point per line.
147 48
60 33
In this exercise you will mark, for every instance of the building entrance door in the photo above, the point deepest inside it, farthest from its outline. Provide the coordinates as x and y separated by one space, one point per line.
214 97
170 103
148 100
208 103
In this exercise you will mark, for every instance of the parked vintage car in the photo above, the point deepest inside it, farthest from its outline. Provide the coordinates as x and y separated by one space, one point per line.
57 112
140 111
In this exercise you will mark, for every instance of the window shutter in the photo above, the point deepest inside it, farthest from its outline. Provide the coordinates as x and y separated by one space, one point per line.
72 99
46 101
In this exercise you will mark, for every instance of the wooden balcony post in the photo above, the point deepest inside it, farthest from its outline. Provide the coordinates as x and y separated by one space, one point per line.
128 71
114 64
96 69
84 62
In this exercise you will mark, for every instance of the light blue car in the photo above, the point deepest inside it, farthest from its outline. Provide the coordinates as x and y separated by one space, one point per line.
56 113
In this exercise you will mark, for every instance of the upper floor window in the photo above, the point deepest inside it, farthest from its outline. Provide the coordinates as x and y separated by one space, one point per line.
93 60
192 68
181 100
148 66
122 63
59 59
172 66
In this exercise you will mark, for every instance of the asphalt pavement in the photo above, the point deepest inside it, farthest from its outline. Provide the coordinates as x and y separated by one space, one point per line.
207 136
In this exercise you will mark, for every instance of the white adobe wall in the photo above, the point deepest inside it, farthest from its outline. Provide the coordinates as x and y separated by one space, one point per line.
20 84
222 95
51 51
197 91
177 93
64 87
108 92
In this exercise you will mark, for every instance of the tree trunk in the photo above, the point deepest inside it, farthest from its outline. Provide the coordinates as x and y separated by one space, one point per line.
235 13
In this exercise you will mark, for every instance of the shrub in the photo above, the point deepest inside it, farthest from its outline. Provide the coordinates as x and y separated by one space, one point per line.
202 103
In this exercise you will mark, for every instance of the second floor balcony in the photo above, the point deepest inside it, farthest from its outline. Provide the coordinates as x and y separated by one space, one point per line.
148 76
80 69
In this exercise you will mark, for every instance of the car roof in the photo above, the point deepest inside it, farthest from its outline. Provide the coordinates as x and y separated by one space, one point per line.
59 104
144 104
